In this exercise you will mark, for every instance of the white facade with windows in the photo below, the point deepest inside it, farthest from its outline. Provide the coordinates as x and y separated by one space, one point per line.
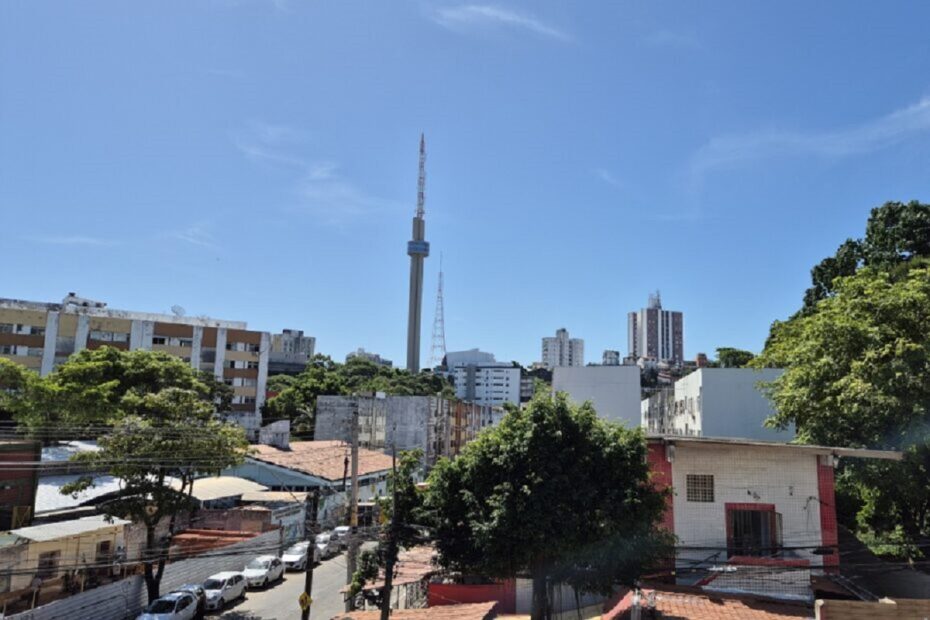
561 350
487 384
715 402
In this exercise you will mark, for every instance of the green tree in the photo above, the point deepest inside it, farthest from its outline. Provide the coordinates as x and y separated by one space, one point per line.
857 373
728 357
552 491
157 423
895 233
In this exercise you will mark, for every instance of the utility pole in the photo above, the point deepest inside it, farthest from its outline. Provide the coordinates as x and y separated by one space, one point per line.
306 598
352 558
391 545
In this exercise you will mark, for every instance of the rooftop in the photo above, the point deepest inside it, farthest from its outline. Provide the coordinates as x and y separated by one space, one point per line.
413 565
274 496
218 487
472 611
323 459
20 304
726 441
63 529
693 604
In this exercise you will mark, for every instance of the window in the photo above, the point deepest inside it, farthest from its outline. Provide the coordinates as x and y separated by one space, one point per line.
7 349
186 342
38 331
252 365
700 487
48 565
158 340
7 328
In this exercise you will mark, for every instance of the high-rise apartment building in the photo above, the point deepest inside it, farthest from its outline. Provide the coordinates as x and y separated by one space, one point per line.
656 334
290 352
610 358
487 384
41 336
562 350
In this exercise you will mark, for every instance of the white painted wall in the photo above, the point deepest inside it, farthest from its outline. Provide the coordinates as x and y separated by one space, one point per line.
613 390
726 402
775 475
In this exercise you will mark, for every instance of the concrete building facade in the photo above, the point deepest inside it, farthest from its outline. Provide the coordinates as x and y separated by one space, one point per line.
440 427
610 358
489 385
613 390
656 334
715 402
290 352
561 350
41 336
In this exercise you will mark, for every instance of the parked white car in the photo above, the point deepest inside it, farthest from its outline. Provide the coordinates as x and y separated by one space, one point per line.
224 587
174 606
295 556
327 545
341 534
263 570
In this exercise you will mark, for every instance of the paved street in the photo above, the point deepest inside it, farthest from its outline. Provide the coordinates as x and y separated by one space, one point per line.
279 601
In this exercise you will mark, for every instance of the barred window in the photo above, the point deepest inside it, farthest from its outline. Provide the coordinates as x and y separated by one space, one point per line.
700 487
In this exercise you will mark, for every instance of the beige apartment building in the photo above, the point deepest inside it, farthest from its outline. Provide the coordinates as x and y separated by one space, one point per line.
41 336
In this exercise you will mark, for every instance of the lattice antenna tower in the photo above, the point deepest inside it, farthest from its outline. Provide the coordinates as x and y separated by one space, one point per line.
438 347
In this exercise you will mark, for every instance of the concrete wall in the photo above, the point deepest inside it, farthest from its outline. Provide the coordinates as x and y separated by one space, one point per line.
746 474
613 390
726 402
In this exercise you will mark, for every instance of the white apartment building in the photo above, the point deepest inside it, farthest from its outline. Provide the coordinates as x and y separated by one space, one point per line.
491 385
561 350
471 356
613 390
715 402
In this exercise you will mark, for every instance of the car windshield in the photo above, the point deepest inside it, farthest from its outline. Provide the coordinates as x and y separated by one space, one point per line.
213 584
161 606
322 538
258 564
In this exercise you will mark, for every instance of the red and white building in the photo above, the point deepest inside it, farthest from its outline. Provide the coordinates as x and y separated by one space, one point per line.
751 515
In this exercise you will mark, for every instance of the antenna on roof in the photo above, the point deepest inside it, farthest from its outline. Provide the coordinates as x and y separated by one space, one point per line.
178 311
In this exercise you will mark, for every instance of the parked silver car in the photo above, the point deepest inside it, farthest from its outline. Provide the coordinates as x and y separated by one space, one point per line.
223 588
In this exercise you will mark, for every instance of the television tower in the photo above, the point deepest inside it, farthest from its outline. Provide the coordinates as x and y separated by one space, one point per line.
438 347
418 250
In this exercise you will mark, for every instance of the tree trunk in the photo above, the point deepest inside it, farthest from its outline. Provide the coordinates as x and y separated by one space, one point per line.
540 608
152 580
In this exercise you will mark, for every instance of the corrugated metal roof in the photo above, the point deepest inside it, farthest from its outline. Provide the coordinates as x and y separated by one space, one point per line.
63 529
206 489
274 496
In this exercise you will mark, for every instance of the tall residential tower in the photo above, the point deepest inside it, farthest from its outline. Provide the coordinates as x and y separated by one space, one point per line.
418 250
655 333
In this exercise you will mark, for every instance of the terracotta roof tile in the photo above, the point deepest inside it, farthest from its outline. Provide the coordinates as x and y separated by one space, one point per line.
323 459
473 611
693 604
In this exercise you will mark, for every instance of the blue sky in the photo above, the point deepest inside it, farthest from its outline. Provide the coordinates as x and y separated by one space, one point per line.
256 159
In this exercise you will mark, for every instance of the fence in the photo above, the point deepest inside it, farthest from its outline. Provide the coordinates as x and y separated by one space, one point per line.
126 598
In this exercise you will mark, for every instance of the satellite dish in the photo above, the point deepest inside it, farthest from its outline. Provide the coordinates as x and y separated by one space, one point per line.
177 311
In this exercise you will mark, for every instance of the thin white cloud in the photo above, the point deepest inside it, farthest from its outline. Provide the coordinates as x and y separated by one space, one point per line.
70 240
198 235
728 151
468 16
670 38
318 186
604 175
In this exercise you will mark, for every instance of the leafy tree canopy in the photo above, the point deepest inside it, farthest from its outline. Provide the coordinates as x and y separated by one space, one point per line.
895 233
857 369
157 424
728 357
553 491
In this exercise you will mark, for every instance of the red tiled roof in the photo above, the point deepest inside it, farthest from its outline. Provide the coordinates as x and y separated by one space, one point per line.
194 541
413 565
473 611
694 604
323 459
